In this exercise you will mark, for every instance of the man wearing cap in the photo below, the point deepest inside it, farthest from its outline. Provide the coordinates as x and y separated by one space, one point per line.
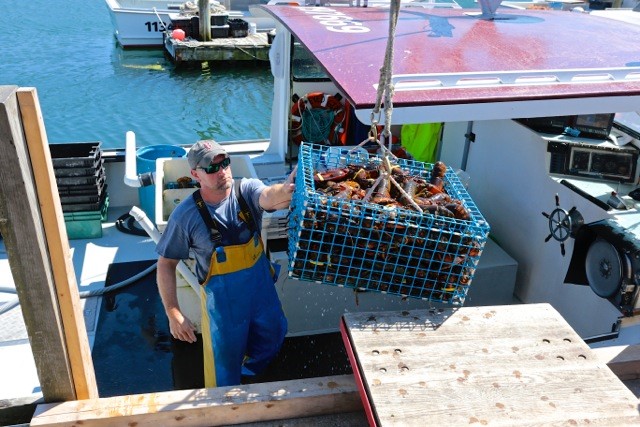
243 325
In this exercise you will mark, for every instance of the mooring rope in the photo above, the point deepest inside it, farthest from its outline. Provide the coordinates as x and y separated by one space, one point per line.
164 27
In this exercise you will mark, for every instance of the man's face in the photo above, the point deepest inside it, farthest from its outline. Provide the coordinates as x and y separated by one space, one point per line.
217 176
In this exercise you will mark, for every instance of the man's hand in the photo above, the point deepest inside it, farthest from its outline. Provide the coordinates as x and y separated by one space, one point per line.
181 327
290 182
278 196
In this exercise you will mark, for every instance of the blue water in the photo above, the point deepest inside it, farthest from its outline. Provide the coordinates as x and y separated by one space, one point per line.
90 89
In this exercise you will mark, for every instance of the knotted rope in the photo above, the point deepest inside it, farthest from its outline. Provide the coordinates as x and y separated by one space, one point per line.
385 87
385 92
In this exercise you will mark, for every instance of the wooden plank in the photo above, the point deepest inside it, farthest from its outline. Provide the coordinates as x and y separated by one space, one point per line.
623 360
22 230
64 275
506 365
210 407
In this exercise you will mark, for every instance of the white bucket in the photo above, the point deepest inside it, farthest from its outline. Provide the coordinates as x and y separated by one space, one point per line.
253 29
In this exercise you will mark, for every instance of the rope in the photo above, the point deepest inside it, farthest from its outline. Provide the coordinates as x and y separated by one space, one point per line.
385 87
385 91
190 8
246 52
164 27
8 305
316 124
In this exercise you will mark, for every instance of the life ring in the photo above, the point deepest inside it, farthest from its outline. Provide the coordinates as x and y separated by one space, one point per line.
322 101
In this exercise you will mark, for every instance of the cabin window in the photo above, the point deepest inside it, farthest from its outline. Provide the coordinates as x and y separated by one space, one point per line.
304 67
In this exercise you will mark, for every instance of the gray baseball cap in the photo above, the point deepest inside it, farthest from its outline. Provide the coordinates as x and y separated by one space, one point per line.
203 152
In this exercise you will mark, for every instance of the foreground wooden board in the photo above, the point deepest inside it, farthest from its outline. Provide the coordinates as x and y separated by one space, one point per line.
209 407
499 365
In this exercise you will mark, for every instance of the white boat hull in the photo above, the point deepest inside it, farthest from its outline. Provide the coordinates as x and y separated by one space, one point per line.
134 28
139 25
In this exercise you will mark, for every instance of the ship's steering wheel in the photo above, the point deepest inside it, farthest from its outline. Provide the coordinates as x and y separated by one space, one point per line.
563 224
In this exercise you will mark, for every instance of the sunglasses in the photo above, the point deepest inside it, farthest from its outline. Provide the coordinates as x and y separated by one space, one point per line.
215 167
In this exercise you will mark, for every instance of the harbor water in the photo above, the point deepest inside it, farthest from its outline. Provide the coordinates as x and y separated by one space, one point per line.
90 89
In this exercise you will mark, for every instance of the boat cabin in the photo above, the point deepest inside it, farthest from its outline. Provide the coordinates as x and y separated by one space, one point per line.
538 113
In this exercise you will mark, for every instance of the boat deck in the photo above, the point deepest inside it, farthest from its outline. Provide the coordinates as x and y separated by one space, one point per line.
20 380
91 260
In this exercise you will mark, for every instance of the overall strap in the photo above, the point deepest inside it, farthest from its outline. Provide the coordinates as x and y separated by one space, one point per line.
246 215
216 236
244 208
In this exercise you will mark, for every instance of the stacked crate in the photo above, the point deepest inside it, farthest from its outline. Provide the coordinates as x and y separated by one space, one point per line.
190 24
82 187
238 28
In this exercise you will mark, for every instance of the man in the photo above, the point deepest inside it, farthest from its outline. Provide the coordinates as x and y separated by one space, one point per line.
243 325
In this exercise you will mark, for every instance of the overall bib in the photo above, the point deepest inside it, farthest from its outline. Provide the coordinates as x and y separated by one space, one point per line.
242 312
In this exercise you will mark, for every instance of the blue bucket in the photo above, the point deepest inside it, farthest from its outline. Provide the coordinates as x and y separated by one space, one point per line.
146 162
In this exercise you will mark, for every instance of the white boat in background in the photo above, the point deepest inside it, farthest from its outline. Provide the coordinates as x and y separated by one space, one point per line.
141 23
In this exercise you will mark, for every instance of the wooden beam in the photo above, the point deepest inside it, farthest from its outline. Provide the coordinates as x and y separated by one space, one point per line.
204 12
64 275
21 228
211 407
623 360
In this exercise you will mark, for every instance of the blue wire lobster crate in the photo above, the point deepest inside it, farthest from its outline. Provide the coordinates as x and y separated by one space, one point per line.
363 245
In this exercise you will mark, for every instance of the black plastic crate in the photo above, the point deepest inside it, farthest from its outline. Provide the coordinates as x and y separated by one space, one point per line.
75 154
91 204
238 28
219 32
600 5
87 195
81 180
79 170
72 190
218 19
87 198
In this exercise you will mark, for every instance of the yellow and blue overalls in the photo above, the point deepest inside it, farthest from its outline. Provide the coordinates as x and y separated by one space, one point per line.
242 312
